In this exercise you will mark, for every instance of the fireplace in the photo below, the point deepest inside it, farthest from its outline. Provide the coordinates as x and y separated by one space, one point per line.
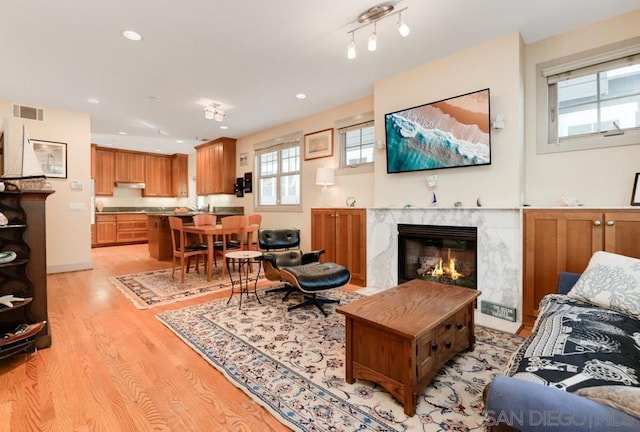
445 254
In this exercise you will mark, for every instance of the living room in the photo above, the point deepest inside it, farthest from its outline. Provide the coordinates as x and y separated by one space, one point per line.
519 175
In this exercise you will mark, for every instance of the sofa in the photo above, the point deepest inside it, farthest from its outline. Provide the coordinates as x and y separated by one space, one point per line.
580 367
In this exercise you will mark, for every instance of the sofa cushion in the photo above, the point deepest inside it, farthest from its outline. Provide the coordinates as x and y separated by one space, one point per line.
623 398
611 281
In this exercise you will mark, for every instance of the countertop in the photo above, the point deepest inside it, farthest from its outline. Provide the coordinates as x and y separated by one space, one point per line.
155 211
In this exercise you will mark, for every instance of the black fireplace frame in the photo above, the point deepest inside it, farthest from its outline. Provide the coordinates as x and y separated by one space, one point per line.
435 232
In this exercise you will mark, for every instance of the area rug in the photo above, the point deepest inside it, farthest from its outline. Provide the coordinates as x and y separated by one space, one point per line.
155 288
292 363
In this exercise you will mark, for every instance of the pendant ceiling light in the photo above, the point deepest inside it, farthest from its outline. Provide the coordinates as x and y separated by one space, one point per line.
213 112
372 16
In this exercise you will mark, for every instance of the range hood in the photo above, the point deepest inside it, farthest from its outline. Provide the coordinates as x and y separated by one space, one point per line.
127 185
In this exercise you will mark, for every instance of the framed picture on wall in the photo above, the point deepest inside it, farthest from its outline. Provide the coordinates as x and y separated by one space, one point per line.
318 144
635 195
52 157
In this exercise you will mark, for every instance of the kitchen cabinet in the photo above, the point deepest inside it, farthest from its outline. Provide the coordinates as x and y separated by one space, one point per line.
342 234
157 176
106 229
180 175
131 228
25 275
556 241
104 171
216 167
129 167
126 228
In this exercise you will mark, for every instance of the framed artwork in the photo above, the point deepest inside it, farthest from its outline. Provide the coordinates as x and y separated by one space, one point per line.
52 157
635 195
318 144
244 159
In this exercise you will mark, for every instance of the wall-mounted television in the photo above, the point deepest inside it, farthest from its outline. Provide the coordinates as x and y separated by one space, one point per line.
449 133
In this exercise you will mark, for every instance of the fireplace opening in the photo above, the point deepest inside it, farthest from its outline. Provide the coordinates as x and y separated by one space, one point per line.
445 254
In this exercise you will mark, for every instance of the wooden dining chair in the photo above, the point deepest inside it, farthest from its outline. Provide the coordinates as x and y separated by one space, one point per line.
205 219
182 249
232 233
254 220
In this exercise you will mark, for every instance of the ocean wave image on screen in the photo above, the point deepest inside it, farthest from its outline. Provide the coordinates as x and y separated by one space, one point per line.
429 138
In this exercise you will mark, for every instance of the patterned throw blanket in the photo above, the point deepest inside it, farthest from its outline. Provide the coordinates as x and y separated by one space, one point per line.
577 345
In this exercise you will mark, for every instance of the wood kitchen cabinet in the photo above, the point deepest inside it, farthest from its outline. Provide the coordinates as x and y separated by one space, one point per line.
342 234
104 171
157 176
216 167
126 228
180 175
130 166
556 241
106 229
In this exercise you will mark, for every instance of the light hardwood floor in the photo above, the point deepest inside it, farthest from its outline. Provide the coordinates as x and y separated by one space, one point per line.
112 367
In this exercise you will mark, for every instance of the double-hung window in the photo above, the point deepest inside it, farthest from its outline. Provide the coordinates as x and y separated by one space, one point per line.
357 143
593 105
278 177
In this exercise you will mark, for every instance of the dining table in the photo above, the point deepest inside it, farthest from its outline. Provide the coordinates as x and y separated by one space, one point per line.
210 232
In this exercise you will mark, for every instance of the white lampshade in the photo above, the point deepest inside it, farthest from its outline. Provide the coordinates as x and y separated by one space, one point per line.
325 176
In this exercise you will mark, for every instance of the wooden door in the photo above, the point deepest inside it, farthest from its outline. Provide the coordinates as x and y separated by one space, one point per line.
555 241
104 172
350 242
203 169
106 229
158 176
180 175
323 233
130 167
622 232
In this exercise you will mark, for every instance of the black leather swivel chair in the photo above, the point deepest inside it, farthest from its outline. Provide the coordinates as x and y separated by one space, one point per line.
284 261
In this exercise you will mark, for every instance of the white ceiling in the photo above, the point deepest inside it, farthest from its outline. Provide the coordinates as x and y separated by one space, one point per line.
251 56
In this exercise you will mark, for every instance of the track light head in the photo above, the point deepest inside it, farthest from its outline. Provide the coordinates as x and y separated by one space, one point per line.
403 28
351 48
373 40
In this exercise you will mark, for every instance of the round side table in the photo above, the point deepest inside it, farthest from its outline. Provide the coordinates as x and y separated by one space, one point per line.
244 260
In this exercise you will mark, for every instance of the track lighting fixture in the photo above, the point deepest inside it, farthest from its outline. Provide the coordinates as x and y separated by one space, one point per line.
403 28
213 112
372 16
351 48
373 39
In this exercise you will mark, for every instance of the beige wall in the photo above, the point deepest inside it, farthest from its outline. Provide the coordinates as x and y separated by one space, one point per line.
359 186
599 177
495 65
68 232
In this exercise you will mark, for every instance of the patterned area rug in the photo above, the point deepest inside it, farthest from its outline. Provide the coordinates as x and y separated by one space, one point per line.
155 288
293 364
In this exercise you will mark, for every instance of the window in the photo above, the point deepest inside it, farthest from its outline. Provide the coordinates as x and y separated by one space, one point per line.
357 143
278 176
592 102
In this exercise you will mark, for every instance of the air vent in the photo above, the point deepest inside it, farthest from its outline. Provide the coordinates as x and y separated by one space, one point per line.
27 112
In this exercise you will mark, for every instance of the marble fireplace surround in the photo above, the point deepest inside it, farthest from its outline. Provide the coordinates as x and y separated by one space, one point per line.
499 252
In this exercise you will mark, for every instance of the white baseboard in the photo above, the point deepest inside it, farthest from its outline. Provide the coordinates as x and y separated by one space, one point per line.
70 267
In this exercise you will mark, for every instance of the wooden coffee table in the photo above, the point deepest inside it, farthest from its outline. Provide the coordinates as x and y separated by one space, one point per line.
400 337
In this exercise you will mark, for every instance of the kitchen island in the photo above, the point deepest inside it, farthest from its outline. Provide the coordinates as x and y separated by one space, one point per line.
159 234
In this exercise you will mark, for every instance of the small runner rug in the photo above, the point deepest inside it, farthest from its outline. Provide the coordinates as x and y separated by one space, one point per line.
155 288
292 363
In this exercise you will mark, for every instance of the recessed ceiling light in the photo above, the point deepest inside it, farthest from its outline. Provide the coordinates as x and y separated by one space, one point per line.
122 133
179 141
132 35
301 96
93 100
224 127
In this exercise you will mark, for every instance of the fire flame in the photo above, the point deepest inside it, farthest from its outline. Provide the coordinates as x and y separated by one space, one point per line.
450 269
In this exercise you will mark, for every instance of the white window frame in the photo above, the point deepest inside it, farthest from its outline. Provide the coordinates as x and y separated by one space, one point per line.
278 145
347 124
547 75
